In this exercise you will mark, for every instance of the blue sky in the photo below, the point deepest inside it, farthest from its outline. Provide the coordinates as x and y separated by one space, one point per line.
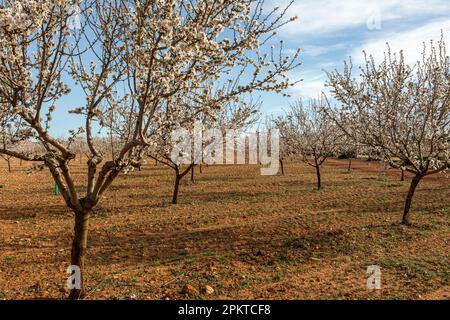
329 31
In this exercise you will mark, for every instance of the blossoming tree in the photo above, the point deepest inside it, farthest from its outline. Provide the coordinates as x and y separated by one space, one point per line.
140 52
182 138
401 111
309 134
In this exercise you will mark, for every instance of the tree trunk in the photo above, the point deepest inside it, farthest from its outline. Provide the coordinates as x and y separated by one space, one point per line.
282 166
201 168
20 162
349 165
403 175
192 174
79 245
406 213
176 187
9 165
81 158
319 180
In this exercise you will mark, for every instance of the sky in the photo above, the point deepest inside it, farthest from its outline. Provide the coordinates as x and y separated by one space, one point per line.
329 32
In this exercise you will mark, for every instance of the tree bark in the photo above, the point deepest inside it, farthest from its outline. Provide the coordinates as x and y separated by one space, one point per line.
79 245
192 174
402 178
176 187
178 177
406 213
9 165
282 166
349 165
319 179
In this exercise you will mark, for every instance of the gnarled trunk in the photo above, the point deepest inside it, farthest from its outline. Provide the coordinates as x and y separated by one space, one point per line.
178 177
412 189
176 187
79 245
319 179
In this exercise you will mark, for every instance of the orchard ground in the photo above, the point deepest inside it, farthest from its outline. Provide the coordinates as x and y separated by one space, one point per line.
245 235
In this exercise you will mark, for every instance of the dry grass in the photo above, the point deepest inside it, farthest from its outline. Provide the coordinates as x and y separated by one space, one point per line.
247 236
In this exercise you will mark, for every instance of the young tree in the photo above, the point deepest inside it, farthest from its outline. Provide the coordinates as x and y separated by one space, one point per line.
347 149
79 147
143 50
163 143
13 135
202 132
270 124
309 134
401 111
6 139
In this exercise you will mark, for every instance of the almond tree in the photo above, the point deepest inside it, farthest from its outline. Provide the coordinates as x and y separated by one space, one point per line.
143 52
401 111
79 146
7 133
208 126
347 148
270 124
13 135
168 122
309 134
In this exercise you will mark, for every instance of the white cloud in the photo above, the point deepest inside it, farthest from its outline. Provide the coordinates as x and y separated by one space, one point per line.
315 51
412 22
328 16
411 42
312 86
